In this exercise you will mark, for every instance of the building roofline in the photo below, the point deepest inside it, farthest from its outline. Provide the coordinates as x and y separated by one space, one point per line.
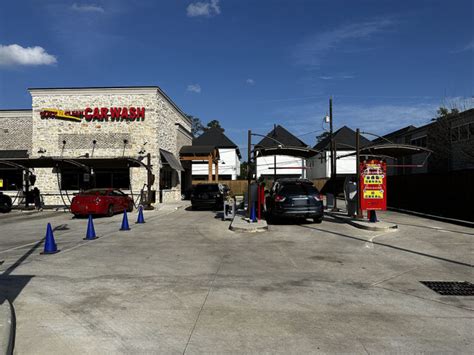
15 109
153 87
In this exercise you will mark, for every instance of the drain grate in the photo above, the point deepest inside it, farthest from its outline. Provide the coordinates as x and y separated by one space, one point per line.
451 288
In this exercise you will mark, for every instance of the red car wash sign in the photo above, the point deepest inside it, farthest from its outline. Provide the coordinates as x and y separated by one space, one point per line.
101 114
373 185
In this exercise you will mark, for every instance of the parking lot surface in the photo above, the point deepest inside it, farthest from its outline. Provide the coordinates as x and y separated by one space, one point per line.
184 283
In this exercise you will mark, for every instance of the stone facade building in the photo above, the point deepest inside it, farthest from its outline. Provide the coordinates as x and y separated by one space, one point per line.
106 122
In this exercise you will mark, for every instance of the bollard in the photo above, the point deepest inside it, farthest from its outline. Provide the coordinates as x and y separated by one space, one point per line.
372 216
253 217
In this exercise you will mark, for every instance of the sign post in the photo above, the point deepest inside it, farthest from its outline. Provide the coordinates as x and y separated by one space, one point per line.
373 185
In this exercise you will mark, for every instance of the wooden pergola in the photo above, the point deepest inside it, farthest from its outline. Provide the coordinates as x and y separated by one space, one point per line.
202 153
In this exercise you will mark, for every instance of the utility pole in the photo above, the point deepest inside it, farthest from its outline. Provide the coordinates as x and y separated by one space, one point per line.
358 211
333 156
249 172
274 157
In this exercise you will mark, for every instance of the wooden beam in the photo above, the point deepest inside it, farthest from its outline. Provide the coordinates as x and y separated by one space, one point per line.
209 176
217 171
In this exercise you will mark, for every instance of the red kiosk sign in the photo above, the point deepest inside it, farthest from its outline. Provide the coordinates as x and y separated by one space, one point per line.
373 185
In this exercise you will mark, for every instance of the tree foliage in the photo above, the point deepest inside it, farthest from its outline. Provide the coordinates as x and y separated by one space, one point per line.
196 126
322 136
214 124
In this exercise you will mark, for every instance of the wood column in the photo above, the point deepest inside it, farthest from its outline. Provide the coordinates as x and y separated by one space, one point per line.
209 175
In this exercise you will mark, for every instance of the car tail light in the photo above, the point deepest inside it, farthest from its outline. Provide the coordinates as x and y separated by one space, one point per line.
318 197
279 198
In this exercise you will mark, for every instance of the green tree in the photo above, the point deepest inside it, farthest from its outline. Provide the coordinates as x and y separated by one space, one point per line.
214 124
196 126
322 136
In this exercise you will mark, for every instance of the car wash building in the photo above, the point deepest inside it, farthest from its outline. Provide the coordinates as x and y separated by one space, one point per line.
72 139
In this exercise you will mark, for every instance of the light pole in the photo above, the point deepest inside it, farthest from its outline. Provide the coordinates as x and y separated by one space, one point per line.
333 155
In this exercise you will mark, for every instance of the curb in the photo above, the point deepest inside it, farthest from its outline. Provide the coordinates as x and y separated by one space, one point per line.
240 225
7 327
387 227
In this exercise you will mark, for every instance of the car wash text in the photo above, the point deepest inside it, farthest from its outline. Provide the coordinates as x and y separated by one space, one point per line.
100 114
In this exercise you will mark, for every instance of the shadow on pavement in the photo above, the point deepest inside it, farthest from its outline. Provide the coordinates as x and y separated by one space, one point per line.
390 246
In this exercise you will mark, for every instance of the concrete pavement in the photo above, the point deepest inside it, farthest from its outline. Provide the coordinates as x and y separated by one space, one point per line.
184 283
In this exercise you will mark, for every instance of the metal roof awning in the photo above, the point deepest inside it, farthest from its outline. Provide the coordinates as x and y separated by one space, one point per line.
13 154
70 163
301 152
390 150
169 158
199 150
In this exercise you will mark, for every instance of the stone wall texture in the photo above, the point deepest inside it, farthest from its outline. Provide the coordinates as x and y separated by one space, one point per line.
16 130
158 130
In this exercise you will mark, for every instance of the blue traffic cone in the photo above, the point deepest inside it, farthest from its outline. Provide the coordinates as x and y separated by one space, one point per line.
49 244
90 235
373 217
253 216
125 226
140 218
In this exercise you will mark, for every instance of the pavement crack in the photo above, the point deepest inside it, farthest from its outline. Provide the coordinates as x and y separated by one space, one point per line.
203 304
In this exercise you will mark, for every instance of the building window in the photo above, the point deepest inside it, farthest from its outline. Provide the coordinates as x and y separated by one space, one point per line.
79 180
419 142
464 132
11 180
454 134
166 178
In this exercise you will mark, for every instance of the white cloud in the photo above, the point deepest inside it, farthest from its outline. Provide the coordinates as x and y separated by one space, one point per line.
250 81
14 54
207 8
194 88
313 49
87 8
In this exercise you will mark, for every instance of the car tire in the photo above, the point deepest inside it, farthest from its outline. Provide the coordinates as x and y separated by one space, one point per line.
110 211
318 220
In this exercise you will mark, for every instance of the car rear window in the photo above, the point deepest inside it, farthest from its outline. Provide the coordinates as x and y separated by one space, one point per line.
298 189
94 193
207 188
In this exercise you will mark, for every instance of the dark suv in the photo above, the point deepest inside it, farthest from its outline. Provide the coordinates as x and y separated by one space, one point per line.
208 196
296 198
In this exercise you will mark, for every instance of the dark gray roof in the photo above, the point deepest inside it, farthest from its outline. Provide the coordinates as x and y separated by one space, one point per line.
394 134
197 149
345 140
281 135
215 137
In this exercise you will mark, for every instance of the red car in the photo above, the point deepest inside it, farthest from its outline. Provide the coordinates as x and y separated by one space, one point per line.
101 202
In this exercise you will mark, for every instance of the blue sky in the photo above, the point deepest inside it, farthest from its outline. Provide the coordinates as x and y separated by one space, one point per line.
251 63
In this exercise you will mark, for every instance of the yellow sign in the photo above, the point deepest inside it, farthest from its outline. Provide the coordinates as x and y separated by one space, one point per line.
373 194
59 114
373 179
1 182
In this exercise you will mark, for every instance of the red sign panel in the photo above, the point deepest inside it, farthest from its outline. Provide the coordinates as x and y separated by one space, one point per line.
373 185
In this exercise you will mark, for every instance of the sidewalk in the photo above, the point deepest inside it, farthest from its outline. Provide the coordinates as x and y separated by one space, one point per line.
363 223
